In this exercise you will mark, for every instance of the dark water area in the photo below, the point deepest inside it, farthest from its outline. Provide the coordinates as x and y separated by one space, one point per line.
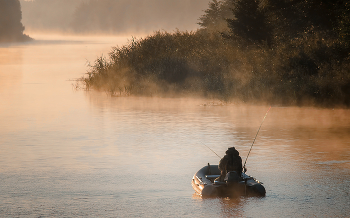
70 153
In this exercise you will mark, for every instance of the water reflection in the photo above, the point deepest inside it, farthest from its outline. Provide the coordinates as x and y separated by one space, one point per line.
232 207
308 135
227 207
298 153
39 108
11 70
73 153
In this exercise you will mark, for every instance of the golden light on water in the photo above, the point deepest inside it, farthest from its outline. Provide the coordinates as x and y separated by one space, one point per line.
59 144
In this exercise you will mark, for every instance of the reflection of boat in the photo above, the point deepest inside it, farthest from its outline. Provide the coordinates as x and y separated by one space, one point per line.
203 183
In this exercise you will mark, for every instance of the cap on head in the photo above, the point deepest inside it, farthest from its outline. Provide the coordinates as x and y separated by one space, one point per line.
232 151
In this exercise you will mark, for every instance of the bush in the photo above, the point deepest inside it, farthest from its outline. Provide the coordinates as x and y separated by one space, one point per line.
310 68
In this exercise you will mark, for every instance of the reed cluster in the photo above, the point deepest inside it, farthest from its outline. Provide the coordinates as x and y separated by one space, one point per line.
309 67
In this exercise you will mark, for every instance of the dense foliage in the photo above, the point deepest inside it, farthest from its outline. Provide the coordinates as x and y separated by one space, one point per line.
287 52
11 28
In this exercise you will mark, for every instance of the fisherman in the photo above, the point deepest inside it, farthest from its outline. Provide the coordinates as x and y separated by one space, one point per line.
230 162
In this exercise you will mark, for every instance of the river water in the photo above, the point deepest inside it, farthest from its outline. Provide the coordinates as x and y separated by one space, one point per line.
70 153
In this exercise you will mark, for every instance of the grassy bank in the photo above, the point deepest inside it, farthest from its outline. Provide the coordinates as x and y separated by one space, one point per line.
180 63
310 68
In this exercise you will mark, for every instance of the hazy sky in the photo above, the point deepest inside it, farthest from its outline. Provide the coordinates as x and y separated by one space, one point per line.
114 16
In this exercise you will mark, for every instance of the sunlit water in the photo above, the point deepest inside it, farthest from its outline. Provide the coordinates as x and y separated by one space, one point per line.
68 153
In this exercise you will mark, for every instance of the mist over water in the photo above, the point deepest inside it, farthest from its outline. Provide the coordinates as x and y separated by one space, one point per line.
111 16
67 152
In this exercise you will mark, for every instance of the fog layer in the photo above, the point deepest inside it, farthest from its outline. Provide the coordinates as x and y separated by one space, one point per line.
111 16
279 52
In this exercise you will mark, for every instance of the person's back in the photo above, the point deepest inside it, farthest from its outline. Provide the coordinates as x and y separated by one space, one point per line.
230 162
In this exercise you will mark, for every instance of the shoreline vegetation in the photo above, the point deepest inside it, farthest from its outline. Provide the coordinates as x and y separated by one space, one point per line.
278 52
11 27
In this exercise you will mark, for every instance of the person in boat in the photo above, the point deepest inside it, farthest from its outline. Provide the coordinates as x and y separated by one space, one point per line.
230 162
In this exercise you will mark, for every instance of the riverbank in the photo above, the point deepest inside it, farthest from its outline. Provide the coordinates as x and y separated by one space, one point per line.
282 53
312 72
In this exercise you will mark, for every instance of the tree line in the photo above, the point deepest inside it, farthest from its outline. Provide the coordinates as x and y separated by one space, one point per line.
285 52
276 21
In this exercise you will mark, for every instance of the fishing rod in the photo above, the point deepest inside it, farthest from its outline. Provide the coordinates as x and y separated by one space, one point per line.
210 149
254 139
250 146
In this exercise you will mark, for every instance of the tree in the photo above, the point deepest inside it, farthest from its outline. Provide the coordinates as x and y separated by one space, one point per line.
11 28
291 19
214 19
344 24
249 23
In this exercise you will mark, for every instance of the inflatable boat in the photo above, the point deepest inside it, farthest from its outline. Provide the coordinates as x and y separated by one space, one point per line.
203 182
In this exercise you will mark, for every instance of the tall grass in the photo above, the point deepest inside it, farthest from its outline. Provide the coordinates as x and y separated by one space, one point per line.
309 70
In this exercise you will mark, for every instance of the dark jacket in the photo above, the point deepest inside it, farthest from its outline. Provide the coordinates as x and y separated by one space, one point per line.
230 162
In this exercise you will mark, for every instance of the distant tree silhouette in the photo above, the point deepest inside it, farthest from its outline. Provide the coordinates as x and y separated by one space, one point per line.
11 28
214 19
212 15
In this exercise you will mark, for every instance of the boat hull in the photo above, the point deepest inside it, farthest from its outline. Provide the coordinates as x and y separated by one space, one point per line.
204 185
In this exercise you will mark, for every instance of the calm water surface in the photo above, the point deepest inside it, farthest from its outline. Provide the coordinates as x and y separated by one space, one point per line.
69 153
